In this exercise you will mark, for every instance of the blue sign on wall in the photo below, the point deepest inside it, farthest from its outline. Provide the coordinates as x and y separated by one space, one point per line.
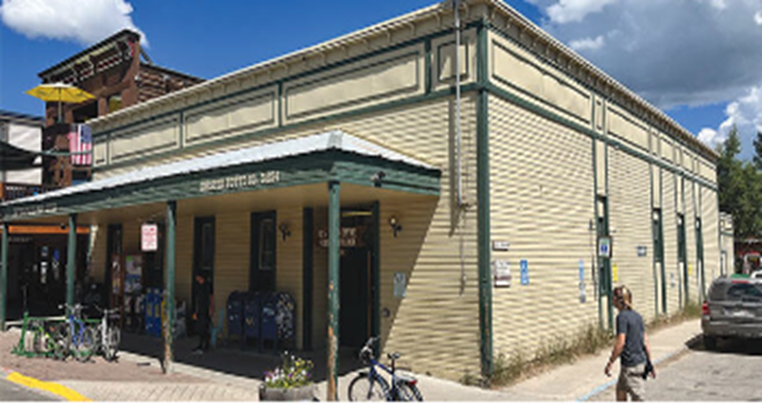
524 266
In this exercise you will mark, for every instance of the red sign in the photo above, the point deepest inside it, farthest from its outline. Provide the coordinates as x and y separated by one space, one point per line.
149 237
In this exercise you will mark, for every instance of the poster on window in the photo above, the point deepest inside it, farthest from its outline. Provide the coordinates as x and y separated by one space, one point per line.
133 266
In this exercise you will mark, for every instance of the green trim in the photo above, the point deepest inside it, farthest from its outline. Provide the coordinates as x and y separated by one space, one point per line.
509 96
291 127
310 168
308 286
169 283
180 132
483 207
668 132
375 325
375 65
597 230
71 259
439 63
297 76
4 276
427 66
334 297
508 83
654 245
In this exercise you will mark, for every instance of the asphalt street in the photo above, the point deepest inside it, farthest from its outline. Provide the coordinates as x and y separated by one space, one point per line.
729 373
13 392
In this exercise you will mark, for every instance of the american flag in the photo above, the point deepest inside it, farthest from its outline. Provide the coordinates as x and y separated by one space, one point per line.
81 141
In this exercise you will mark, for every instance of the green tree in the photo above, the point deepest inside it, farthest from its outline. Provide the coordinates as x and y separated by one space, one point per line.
740 187
758 151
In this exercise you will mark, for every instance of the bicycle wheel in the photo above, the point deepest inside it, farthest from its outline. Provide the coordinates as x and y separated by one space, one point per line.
62 338
110 350
85 346
408 392
38 338
361 389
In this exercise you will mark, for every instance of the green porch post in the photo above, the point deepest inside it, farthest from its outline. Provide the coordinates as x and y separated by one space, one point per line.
483 205
334 212
170 286
71 259
4 277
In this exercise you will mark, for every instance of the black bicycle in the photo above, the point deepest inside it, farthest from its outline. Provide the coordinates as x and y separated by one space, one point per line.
371 386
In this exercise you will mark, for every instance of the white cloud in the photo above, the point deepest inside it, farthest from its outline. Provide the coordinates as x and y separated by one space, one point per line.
83 21
575 10
587 43
719 4
671 52
746 114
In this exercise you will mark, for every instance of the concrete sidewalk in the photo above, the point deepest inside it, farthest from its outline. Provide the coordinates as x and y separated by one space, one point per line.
138 377
584 378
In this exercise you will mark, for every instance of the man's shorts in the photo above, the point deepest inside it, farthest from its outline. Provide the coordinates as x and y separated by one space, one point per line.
631 380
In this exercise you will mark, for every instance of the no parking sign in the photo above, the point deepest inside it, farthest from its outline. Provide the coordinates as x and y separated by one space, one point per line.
149 237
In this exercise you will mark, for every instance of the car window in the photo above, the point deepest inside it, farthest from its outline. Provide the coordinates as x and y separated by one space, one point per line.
744 292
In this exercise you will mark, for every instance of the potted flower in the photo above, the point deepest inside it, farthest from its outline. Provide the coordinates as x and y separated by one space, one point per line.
289 382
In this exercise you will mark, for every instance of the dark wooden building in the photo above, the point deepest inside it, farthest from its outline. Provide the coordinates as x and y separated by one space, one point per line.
119 73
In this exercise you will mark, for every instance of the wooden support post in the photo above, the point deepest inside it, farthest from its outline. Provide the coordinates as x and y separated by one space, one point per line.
334 214
4 277
169 287
71 259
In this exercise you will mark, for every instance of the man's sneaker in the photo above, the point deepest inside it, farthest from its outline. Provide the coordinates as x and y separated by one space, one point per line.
197 351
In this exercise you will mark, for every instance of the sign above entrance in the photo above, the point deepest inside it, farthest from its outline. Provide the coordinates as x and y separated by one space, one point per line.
348 237
149 237
240 181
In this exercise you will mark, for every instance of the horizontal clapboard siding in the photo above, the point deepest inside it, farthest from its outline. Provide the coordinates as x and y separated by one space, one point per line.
669 221
542 204
710 231
630 226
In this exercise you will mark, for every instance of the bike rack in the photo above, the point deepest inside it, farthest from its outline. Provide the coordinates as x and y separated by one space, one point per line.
20 349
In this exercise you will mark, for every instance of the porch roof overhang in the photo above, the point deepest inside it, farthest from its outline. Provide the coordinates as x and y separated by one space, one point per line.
330 156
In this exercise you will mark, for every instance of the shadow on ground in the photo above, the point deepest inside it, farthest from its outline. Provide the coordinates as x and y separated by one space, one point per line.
738 346
229 358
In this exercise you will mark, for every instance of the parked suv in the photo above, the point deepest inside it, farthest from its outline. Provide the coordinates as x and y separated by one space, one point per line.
733 310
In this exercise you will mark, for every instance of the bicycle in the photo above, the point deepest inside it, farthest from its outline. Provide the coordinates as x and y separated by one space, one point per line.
78 338
46 341
371 386
107 335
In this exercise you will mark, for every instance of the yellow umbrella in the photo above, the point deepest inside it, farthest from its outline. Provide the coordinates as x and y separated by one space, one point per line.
60 92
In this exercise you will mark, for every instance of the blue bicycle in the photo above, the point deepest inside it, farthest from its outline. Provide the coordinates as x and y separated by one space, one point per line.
78 338
371 386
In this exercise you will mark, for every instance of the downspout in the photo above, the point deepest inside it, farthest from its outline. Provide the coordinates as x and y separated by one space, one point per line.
456 8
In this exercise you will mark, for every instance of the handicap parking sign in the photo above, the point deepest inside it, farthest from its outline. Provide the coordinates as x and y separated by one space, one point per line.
524 266
604 247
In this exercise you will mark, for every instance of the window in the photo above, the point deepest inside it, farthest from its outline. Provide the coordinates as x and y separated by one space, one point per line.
266 245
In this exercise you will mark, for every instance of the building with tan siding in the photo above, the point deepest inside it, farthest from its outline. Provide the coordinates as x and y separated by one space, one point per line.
463 256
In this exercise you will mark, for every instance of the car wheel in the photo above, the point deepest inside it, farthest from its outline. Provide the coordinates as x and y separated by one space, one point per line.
710 343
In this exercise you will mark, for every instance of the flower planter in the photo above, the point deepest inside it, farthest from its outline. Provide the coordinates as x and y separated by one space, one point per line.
303 393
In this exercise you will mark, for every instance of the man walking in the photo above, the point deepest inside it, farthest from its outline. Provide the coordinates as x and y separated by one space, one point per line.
203 313
632 347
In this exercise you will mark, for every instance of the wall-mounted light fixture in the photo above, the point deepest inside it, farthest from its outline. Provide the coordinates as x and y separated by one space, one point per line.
395 224
284 231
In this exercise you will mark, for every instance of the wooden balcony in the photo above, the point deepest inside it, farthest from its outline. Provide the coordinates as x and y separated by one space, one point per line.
10 191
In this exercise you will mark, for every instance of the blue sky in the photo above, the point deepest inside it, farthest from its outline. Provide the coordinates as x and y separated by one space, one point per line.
696 59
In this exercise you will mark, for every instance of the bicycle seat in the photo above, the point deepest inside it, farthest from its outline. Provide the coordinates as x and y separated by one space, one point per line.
393 356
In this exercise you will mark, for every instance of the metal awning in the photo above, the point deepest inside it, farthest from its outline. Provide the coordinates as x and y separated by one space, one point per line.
330 156
14 158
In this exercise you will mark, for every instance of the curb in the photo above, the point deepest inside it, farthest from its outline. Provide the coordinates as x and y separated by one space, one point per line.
50 387
688 344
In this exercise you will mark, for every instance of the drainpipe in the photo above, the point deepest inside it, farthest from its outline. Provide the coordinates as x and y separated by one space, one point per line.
456 8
